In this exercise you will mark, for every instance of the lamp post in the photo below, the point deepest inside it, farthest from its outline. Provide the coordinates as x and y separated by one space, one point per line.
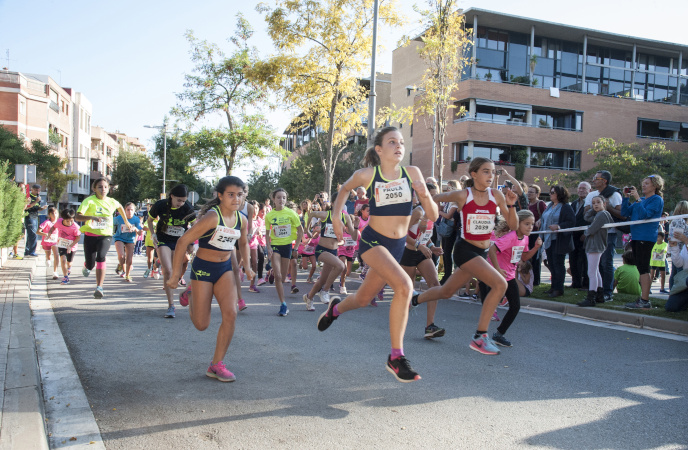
162 127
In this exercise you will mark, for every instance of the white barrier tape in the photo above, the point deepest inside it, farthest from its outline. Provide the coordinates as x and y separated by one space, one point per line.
613 225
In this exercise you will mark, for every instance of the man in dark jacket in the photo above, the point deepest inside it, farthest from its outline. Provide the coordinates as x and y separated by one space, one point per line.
31 219
578 262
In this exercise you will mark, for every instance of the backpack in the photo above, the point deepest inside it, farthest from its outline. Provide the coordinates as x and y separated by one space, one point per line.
446 227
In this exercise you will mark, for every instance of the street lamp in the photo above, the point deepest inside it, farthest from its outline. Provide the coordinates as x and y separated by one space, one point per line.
162 127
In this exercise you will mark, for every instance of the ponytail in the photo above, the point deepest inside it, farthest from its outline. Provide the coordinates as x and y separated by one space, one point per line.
371 158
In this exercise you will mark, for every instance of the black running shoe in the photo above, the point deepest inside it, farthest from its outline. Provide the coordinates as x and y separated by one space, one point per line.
433 331
327 318
401 369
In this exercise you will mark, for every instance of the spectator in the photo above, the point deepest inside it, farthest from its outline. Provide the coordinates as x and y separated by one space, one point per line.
677 224
31 219
537 207
350 203
577 260
601 182
462 181
558 216
678 300
447 212
644 235
595 244
519 187
361 199
626 277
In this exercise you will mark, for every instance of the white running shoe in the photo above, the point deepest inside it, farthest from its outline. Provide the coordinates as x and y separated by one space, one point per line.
342 289
324 297
309 303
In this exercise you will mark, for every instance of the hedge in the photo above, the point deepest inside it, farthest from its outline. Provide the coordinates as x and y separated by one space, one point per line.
12 203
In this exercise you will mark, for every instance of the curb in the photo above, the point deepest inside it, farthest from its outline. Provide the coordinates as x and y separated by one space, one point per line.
606 315
23 411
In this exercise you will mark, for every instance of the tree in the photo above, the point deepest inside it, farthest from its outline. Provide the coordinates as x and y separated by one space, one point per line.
261 183
322 48
134 177
444 51
308 167
219 85
180 167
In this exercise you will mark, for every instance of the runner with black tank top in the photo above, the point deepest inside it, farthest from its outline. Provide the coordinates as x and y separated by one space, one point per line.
390 187
220 229
174 214
478 206
326 253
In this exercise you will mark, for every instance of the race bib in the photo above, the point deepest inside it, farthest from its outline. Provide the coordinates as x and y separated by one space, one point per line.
261 230
348 242
392 193
64 243
51 239
329 231
101 224
657 256
309 249
425 237
123 229
282 231
224 238
480 223
175 231
516 253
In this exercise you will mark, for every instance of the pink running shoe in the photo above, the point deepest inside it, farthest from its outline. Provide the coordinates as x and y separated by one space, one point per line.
495 317
261 282
504 302
184 297
220 372
254 289
241 304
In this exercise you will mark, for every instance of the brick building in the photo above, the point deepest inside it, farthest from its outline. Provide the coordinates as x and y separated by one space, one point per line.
580 85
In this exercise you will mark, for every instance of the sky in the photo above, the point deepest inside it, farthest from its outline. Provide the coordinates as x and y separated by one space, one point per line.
129 57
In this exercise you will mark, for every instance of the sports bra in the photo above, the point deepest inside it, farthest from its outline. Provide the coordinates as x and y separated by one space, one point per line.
477 222
222 237
390 197
326 229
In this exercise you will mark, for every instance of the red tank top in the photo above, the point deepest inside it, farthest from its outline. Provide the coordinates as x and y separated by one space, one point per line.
477 222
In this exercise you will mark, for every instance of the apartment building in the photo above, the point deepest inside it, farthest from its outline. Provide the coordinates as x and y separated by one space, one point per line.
551 90
104 151
296 137
79 161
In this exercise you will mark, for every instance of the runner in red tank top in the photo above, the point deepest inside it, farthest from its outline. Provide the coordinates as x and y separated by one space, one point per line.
477 204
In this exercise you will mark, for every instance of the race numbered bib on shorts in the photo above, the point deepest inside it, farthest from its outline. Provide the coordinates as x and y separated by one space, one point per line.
101 224
64 243
224 238
425 237
175 231
480 223
329 231
392 192
282 231
516 253
657 256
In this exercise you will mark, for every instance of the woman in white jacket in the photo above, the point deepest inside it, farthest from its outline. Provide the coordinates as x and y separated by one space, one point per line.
679 258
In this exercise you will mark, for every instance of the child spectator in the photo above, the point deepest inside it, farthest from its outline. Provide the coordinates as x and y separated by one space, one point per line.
657 263
627 277
595 245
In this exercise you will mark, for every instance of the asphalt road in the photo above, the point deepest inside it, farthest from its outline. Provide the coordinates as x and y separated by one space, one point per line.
563 385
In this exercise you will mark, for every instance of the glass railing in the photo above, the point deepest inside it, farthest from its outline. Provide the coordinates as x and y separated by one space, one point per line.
512 122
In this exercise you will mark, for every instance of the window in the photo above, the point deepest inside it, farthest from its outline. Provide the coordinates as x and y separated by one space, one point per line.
658 129
22 107
559 120
94 165
555 158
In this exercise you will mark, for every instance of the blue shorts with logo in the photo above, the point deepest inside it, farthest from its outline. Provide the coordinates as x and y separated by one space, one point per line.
319 249
371 238
283 250
202 270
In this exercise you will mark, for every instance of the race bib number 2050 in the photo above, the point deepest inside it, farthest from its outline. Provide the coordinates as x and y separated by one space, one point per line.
392 192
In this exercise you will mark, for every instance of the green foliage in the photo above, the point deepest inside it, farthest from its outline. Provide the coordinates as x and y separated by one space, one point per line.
57 184
219 85
12 149
454 166
261 183
54 137
180 167
134 177
12 202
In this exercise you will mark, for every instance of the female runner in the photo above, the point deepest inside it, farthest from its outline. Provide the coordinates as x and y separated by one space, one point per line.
174 215
125 241
221 225
390 188
478 206
326 253
96 211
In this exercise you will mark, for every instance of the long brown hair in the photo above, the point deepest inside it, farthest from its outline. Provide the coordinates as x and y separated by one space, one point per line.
371 158
474 166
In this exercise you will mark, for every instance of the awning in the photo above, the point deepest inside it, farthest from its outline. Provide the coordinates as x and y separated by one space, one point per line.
670 126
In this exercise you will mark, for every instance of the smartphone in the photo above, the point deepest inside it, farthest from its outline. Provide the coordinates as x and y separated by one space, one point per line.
500 171
628 189
508 184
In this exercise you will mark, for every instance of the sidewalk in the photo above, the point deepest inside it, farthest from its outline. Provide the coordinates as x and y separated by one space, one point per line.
22 424
22 416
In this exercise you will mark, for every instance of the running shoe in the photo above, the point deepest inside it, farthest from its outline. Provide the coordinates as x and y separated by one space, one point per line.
342 289
464 295
128 279
499 339
184 297
69 271
294 289
309 303
156 274
663 291
55 276
241 275
326 318
220 372
310 281
118 269
121 274
495 317
324 296
260 282
373 302
638 304
241 304
271 278
170 313
98 293
253 289
146 273
401 369
283 310
65 280
504 302
484 345
85 272
381 295
288 278
433 331
182 282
